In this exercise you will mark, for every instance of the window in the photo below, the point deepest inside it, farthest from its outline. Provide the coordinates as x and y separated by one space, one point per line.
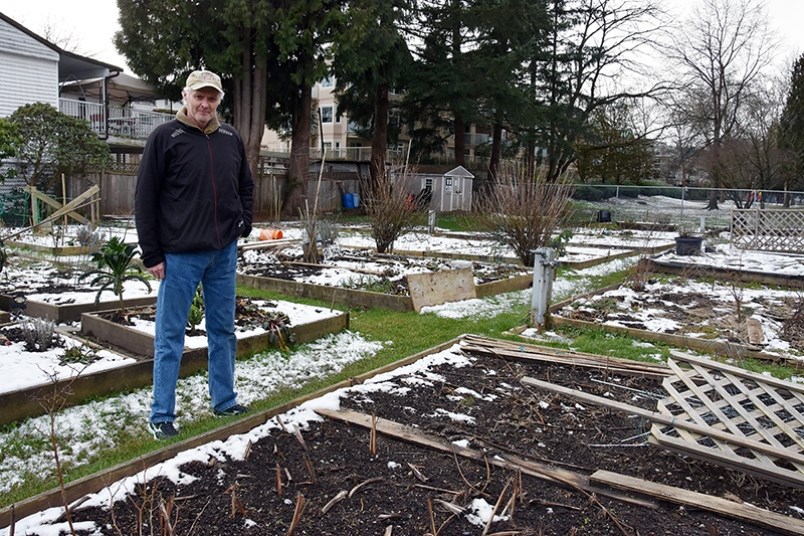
326 114
326 82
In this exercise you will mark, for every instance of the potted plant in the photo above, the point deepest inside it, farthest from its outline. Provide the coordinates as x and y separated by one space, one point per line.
688 243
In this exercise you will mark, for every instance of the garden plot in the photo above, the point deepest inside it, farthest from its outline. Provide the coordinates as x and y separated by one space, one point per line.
27 361
258 324
722 317
363 278
55 291
451 444
68 239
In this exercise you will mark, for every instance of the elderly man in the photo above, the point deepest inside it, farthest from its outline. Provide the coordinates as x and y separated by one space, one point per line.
193 201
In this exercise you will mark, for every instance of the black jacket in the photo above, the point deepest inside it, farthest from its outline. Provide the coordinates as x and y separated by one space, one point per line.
194 191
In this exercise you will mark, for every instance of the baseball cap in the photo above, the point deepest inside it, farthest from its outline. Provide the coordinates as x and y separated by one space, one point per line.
199 79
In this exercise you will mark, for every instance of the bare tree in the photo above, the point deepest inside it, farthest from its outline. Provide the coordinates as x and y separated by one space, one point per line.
592 60
722 50
523 211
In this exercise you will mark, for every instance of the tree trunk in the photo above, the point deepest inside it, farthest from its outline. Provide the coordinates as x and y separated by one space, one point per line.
249 106
299 164
496 151
379 140
460 141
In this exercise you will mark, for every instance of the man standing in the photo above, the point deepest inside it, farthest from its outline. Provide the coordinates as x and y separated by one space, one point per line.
193 200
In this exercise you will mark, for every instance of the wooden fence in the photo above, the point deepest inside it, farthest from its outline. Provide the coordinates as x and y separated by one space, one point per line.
117 191
768 229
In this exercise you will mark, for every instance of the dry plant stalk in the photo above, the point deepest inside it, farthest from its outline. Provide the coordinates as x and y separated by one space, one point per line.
236 504
388 206
341 495
279 487
523 212
308 464
297 514
364 483
373 436
168 516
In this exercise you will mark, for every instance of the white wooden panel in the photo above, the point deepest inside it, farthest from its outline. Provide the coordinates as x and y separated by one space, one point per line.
27 80
15 41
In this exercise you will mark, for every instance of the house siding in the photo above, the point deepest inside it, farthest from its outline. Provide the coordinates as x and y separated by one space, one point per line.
30 71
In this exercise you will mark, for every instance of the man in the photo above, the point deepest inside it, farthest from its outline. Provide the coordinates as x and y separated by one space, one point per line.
193 201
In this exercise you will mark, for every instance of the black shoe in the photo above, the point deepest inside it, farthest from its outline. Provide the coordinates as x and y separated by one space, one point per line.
162 430
237 409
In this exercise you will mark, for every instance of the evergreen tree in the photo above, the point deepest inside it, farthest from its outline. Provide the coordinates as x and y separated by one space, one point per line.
792 126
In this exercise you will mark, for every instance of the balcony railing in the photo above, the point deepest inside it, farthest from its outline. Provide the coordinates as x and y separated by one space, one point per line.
121 122
360 154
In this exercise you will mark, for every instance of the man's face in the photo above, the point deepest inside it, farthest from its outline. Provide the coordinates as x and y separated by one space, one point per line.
202 105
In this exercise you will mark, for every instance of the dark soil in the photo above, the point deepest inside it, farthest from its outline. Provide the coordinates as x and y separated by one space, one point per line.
392 274
407 485
247 317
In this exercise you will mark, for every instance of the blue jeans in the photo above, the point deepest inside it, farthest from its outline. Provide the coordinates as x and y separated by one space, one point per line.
216 271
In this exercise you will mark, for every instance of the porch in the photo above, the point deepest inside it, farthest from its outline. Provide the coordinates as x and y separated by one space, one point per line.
114 120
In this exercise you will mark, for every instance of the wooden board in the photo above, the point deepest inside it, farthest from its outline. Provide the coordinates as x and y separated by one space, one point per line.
435 288
726 508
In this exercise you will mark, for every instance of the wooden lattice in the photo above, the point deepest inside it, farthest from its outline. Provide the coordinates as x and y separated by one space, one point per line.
735 418
768 229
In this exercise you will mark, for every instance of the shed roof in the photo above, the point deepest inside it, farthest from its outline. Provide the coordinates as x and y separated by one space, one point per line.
459 171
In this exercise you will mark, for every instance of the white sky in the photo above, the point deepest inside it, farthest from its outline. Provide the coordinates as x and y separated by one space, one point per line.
90 24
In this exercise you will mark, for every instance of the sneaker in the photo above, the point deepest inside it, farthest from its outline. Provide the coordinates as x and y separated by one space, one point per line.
237 409
162 430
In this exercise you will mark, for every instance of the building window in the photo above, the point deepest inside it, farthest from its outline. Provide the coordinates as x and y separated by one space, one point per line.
326 114
326 82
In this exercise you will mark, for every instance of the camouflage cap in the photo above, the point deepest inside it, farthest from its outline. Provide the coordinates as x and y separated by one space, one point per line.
199 79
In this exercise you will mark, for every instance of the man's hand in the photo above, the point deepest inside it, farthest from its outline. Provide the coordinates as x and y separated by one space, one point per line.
158 271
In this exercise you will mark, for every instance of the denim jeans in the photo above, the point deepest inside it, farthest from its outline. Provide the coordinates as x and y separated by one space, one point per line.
216 271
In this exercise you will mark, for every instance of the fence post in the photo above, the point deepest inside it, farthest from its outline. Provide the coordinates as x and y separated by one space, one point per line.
544 266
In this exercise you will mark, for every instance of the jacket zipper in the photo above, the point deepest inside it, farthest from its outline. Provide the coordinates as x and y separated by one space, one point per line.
214 192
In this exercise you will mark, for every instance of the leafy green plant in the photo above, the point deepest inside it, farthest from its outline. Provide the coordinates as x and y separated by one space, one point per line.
78 355
278 327
115 266
196 310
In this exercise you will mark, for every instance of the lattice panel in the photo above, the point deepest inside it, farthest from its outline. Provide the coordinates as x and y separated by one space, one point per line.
759 420
768 229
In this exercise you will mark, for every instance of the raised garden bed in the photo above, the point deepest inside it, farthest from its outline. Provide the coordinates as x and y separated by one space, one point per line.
362 279
715 318
454 443
137 370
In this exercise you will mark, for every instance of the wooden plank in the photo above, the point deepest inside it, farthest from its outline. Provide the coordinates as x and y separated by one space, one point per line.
730 509
506 461
69 208
657 417
728 459
435 288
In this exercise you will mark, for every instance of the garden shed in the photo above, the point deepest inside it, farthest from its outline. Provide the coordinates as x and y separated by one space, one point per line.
445 192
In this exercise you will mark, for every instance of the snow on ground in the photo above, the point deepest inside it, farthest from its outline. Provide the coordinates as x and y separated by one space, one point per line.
728 256
234 447
120 418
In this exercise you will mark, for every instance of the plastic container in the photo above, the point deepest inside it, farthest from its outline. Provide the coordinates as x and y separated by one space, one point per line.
348 201
355 200
271 234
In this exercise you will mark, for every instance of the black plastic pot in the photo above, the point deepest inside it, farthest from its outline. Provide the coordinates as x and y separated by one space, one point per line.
688 245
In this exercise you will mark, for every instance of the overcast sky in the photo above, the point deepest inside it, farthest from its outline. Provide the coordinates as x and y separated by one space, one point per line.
89 25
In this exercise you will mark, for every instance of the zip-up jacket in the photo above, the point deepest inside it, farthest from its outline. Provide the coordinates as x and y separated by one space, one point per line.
194 190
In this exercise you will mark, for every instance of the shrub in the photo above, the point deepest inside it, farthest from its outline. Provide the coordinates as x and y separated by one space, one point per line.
115 266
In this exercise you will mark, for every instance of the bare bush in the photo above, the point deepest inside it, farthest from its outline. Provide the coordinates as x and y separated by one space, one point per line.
389 207
38 334
523 212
